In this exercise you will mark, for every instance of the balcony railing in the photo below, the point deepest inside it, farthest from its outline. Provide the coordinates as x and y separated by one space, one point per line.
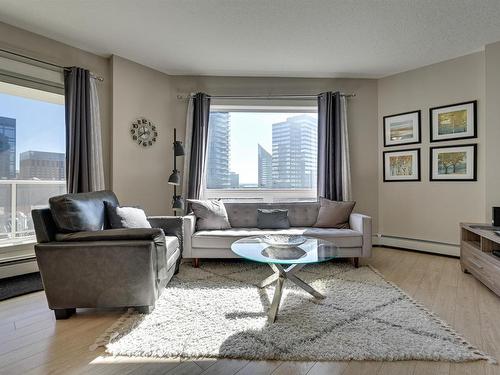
17 199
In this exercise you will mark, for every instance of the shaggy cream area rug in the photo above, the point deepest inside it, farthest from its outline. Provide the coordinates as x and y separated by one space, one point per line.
218 311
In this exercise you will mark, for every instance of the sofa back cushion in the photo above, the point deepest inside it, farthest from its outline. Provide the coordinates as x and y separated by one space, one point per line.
244 215
82 211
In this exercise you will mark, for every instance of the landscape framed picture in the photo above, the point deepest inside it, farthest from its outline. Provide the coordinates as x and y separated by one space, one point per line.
454 121
402 165
453 163
402 129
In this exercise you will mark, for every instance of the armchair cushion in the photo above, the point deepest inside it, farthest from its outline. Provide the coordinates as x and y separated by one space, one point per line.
122 234
81 212
126 217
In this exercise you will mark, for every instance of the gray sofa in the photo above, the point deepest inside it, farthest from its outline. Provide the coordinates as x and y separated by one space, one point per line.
354 242
102 267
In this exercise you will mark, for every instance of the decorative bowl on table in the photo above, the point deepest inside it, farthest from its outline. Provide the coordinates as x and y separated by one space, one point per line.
282 240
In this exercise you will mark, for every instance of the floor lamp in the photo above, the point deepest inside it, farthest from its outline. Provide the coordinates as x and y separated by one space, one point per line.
175 177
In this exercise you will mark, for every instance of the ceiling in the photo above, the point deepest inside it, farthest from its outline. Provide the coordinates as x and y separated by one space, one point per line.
288 38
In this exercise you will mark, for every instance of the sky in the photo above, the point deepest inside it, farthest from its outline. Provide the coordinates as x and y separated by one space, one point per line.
248 129
39 125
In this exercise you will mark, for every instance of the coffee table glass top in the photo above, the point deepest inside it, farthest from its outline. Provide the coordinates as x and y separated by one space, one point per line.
313 250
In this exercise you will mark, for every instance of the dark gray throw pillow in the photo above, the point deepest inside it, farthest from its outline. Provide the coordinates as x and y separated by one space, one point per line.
272 219
210 214
126 217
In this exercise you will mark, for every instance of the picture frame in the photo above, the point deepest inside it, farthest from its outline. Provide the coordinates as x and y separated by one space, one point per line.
453 121
401 165
453 163
402 129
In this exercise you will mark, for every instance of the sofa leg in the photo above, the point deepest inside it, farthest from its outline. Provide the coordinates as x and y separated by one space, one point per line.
63 313
356 262
144 309
196 262
177 266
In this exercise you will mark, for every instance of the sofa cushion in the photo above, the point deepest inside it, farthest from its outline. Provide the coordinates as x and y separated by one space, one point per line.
272 219
126 217
224 238
210 214
334 214
82 211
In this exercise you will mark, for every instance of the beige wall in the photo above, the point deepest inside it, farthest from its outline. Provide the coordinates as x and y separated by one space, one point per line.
140 91
140 174
432 210
492 127
362 114
37 46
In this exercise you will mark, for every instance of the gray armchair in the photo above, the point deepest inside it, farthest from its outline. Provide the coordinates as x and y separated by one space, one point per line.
84 263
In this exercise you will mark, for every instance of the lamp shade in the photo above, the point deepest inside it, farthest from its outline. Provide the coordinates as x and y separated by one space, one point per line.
175 178
177 203
178 148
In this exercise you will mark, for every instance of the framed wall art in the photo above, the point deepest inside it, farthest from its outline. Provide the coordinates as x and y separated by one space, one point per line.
455 121
402 129
401 165
453 163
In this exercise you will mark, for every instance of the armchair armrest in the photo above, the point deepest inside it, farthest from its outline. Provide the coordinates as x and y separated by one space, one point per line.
363 224
171 226
188 231
123 234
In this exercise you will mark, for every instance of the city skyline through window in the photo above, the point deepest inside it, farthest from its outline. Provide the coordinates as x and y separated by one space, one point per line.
32 157
262 150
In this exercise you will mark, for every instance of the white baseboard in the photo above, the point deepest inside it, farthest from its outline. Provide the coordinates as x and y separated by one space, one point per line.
418 245
18 268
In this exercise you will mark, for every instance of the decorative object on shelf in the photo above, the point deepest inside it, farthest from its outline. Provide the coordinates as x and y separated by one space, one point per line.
143 132
454 121
175 177
495 216
402 129
453 163
402 165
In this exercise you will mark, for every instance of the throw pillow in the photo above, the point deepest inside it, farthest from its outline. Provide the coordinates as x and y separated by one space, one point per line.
210 214
126 217
334 214
272 219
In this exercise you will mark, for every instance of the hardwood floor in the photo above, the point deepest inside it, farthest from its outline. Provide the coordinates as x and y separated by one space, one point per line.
32 342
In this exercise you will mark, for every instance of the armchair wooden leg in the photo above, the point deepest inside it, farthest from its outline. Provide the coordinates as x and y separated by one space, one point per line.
196 262
355 262
63 313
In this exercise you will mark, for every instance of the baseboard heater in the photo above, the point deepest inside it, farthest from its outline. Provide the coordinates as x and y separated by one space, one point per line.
15 267
434 247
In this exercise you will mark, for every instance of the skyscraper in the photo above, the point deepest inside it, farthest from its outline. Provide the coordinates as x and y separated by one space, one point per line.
265 168
218 155
7 148
294 153
235 180
42 165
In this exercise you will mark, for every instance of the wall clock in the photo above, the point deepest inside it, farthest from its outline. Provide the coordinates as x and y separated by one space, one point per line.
143 132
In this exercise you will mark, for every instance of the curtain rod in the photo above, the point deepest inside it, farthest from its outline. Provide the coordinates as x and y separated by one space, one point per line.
283 97
92 75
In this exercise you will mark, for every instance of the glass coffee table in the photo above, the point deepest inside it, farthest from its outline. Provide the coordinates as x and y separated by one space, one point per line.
285 261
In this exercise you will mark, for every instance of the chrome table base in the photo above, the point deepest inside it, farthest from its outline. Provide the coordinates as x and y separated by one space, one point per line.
279 276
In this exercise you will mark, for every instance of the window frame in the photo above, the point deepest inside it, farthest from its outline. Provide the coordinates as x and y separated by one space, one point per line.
263 195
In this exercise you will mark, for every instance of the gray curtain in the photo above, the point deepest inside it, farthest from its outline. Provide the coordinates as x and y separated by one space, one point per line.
198 145
330 146
78 129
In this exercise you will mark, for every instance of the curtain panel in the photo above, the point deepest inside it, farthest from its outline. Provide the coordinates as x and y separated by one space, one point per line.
334 173
84 165
196 145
